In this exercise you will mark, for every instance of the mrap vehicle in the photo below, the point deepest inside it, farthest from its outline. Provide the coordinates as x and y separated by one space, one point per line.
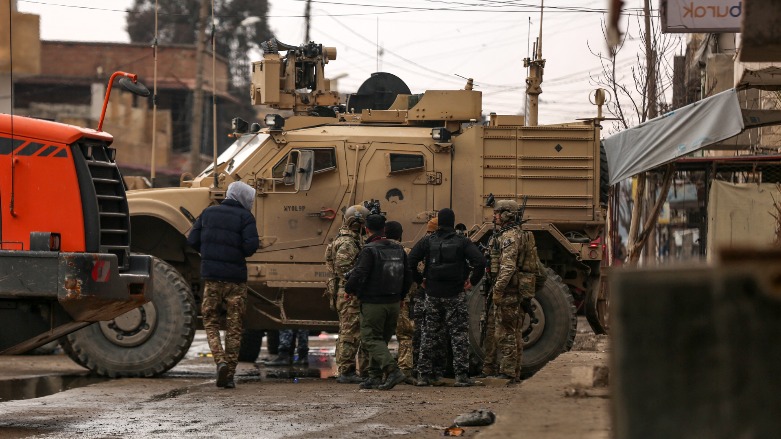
65 260
416 153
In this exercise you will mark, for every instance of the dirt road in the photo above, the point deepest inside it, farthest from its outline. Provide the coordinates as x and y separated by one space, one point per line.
186 403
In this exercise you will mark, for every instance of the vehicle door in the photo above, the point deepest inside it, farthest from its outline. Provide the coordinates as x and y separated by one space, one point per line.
402 178
302 194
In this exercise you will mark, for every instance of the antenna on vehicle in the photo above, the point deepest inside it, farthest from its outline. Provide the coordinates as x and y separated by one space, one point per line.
536 66
214 96
154 101
11 8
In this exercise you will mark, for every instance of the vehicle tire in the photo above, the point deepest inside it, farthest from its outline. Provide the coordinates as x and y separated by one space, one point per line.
604 176
251 342
145 342
553 333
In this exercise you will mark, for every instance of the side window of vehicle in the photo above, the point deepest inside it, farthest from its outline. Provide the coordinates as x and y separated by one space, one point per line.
405 162
325 160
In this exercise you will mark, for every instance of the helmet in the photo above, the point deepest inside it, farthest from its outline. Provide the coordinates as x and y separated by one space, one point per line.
355 214
507 208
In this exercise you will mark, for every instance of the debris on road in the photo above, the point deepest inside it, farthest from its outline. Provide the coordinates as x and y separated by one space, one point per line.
475 418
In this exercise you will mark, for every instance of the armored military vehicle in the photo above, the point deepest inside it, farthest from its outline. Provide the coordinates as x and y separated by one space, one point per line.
416 153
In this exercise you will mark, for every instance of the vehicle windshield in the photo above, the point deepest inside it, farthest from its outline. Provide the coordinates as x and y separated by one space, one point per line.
239 151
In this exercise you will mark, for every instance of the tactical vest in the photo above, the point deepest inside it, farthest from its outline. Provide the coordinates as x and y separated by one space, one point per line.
445 257
387 276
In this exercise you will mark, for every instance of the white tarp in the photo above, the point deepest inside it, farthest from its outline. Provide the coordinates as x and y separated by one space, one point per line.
741 215
673 135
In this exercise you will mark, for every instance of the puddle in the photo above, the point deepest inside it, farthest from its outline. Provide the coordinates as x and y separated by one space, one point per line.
36 387
321 365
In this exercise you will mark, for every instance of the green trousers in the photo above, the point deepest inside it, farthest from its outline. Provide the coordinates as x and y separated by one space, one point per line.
378 323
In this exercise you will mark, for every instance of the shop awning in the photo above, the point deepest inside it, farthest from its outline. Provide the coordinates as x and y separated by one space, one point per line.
675 134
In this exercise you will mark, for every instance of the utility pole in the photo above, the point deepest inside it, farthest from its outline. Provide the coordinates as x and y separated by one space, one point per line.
307 20
650 60
196 132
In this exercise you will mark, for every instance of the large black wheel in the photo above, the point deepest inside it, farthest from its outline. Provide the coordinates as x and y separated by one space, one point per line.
251 341
144 342
552 334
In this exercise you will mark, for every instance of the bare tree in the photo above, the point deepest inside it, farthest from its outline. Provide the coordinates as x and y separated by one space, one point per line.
242 23
630 101
634 102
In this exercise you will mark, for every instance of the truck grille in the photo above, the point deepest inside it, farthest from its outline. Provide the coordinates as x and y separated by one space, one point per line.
109 203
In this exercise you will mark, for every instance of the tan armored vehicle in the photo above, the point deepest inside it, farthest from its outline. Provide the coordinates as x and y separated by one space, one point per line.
418 154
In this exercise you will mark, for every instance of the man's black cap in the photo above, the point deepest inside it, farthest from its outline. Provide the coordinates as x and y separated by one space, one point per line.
375 223
393 230
446 217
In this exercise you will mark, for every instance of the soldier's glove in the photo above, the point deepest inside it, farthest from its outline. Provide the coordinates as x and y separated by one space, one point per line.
526 305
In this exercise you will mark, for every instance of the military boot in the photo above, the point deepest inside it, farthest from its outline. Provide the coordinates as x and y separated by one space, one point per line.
371 383
423 380
349 378
302 360
283 359
222 374
395 377
462 380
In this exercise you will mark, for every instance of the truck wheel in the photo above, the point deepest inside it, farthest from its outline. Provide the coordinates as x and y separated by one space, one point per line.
144 342
251 342
553 333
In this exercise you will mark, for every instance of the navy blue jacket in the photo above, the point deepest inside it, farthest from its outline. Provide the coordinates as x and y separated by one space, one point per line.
224 235
453 284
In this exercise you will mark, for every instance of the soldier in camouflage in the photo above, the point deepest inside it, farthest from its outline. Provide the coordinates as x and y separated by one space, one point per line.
225 235
340 257
405 327
514 250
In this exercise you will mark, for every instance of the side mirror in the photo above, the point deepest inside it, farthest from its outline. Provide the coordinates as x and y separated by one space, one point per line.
306 159
289 177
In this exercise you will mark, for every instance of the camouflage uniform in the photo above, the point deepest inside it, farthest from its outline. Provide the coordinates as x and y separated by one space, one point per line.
234 296
515 246
288 338
340 258
489 344
405 329
445 314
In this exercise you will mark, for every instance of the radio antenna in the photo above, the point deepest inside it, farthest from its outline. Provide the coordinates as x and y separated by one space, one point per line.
154 101
536 66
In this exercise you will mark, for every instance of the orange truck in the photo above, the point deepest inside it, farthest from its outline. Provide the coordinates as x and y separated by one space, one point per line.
65 257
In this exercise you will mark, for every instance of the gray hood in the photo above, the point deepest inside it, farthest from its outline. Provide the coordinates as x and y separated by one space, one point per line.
241 192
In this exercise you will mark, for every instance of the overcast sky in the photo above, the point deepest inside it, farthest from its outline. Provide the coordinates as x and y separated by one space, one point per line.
429 44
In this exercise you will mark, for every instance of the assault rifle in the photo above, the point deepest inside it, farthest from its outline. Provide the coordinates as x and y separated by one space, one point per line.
488 286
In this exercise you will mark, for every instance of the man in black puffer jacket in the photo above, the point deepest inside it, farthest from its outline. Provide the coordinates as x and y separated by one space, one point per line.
448 257
225 235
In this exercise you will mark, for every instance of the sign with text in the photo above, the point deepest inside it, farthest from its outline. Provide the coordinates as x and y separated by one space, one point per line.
692 16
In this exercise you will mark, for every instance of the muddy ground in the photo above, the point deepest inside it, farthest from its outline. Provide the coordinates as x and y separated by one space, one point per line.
282 403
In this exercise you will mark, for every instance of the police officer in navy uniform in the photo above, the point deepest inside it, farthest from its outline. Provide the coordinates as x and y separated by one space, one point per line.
448 257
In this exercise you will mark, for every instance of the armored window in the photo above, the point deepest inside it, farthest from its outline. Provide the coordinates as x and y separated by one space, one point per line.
279 169
406 162
325 160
